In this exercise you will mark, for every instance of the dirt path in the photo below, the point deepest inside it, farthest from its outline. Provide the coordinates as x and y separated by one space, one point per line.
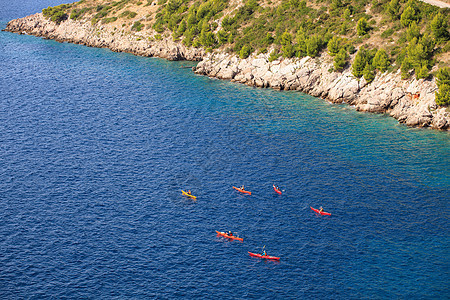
441 4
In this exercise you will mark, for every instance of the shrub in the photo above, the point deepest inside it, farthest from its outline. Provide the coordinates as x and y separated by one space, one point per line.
422 73
362 27
245 51
274 55
340 60
387 33
137 26
128 14
109 20
78 13
288 51
56 14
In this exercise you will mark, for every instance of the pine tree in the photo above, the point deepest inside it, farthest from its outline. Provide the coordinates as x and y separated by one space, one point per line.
362 27
393 9
408 16
369 73
359 64
313 46
443 95
439 27
333 46
413 31
381 60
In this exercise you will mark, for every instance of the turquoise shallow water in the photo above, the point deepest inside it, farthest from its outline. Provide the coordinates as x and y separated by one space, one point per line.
96 146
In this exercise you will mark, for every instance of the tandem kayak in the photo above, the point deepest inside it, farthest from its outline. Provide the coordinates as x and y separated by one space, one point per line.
264 256
242 191
276 190
189 195
320 212
232 237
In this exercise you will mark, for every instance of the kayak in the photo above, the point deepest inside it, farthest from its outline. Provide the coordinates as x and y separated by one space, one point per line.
264 256
320 212
189 195
242 191
229 236
276 190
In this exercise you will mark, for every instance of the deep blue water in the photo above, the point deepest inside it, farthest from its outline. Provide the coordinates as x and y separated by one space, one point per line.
95 147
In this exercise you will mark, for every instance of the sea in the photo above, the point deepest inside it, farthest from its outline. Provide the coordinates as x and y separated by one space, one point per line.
96 146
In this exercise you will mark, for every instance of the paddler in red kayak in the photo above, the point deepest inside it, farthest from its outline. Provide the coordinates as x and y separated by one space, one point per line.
264 251
242 188
320 209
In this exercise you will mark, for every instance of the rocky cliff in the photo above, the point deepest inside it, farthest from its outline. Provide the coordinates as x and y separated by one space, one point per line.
83 32
409 101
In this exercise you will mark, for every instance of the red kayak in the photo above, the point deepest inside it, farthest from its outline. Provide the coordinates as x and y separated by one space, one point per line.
242 191
224 234
264 256
276 190
320 212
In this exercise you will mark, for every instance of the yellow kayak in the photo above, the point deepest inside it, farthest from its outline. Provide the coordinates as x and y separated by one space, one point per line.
187 194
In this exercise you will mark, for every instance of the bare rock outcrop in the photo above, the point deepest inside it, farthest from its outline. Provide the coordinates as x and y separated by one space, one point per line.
85 33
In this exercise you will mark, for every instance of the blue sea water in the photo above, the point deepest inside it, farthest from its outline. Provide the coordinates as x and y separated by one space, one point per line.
96 146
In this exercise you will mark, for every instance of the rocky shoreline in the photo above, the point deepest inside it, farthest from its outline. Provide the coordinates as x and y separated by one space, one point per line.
409 101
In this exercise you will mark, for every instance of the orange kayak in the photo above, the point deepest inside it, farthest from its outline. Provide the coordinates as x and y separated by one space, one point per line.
188 195
242 191
232 237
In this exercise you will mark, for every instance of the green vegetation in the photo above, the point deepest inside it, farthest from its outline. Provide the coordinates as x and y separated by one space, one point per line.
414 26
411 35
128 14
57 14
79 13
340 60
137 26
443 83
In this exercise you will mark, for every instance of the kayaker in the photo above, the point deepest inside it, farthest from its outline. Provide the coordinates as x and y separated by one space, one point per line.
264 253
230 233
321 209
242 188
189 192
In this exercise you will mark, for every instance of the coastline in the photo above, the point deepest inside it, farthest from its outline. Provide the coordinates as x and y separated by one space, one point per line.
409 101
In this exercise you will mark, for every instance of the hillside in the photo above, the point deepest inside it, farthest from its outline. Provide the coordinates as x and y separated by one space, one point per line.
385 57
291 28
